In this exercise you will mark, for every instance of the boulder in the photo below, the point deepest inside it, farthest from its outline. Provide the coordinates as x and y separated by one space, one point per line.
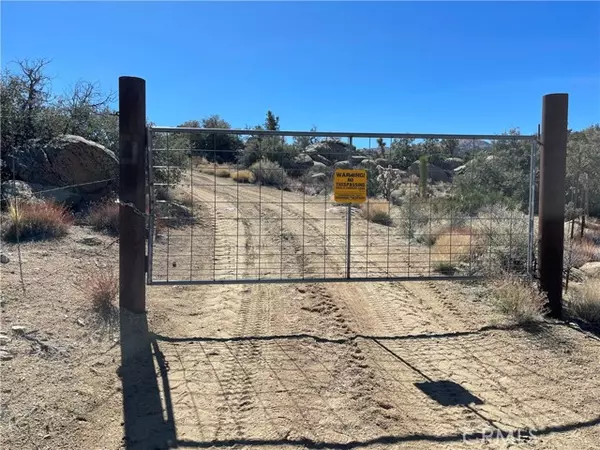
356 159
382 162
67 160
319 177
320 159
460 169
367 162
434 173
451 163
591 269
19 189
299 164
35 193
397 197
331 149
303 159
343 165
319 167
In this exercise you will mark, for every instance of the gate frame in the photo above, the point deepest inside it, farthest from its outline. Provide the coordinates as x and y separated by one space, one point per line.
349 136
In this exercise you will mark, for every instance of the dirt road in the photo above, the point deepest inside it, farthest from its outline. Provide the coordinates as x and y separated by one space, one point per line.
381 365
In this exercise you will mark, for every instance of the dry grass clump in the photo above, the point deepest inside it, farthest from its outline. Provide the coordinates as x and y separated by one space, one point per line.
243 176
518 300
101 287
218 171
222 172
185 199
376 211
104 217
37 221
453 244
581 251
584 302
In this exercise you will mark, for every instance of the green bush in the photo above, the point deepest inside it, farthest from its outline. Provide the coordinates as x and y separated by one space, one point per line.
271 148
269 173
498 176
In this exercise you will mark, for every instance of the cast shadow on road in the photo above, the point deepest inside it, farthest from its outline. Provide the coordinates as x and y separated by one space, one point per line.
146 421
149 418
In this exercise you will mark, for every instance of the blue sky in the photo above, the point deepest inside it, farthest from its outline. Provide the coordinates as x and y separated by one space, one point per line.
472 67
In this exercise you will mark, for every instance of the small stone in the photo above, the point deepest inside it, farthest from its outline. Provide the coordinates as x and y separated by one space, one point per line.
4 339
18 329
4 259
80 322
5 356
46 436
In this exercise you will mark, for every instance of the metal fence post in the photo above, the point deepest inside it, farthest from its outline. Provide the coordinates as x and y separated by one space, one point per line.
349 227
132 193
552 198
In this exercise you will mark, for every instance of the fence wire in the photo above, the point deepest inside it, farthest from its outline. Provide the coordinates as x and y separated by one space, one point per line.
239 206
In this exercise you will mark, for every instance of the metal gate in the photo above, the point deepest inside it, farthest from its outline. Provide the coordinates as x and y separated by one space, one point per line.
249 206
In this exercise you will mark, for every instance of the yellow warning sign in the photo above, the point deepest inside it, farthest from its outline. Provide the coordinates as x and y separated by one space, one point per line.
350 186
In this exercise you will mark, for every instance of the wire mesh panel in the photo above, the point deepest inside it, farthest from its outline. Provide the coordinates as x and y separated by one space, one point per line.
237 206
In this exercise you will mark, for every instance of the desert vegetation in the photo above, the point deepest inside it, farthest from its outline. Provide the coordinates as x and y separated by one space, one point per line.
464 201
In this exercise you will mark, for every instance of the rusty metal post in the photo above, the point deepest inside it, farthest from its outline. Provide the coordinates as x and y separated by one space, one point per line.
552 198
132 199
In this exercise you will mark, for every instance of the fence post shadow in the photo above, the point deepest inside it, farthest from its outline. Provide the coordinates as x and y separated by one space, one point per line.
146 424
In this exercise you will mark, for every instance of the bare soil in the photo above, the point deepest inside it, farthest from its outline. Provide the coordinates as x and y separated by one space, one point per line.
416 365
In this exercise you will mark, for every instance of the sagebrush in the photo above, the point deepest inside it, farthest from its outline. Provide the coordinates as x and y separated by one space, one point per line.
269 173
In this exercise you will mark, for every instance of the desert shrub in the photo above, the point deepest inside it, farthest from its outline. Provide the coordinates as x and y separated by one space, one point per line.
271 148
104 216
444 267
242 176
376 211
222 172
388 180
163 193
269 173
503 237
584 301
518 299
498 176
184 198
37 221
414 216
102 289
423 162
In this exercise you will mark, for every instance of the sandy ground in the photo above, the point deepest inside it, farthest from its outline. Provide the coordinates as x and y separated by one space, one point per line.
417 365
